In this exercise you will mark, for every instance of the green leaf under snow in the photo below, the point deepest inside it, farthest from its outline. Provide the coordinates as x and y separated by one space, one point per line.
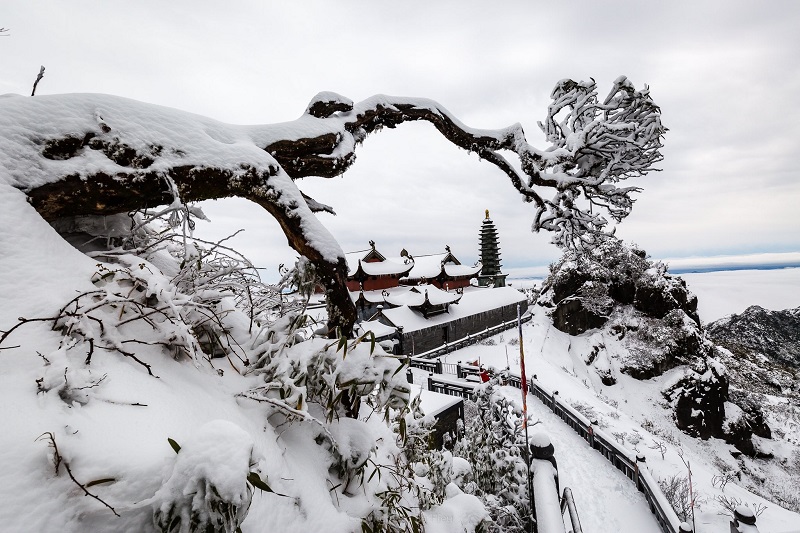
100 481
257 482
175 445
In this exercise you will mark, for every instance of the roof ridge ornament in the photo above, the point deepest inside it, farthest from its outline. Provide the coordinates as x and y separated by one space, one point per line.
487 214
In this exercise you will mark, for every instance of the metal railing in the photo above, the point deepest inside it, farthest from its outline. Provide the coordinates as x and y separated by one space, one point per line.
633 466
463 390
568 504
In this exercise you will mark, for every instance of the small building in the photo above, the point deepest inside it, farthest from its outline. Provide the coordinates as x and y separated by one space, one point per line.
447 410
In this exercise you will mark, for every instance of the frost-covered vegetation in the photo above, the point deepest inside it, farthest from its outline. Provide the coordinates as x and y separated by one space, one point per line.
492 444
183 394
188 329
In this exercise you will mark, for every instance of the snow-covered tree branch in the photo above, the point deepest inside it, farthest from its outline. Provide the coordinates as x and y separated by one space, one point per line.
81 154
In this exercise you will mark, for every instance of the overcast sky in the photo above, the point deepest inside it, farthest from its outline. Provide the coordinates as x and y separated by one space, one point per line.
726 75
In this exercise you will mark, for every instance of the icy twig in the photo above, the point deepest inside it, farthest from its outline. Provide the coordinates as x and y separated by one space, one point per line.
58 460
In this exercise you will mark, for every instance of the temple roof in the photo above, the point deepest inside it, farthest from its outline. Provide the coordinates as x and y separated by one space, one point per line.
435 265
372 263
416 296
410 296
455 271
474 300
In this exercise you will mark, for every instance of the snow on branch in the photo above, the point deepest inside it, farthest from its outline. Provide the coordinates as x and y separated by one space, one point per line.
84 154
593 146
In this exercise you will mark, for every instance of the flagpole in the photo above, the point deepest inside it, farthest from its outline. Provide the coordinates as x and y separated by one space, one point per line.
524 388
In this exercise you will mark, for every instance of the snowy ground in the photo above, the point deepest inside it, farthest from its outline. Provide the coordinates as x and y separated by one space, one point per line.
607 501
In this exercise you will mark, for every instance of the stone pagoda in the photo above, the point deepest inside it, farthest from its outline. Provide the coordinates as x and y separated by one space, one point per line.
490 256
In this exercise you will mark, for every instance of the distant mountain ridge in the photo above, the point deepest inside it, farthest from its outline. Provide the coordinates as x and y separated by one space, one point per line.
764 347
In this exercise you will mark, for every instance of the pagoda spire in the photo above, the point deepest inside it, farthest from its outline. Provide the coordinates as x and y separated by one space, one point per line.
490 255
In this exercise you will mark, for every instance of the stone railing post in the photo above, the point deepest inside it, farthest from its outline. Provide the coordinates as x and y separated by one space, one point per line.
640 460
438 365
430 381
744 520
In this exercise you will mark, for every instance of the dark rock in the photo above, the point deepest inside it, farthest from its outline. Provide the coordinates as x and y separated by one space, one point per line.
570 316
699 400
623 291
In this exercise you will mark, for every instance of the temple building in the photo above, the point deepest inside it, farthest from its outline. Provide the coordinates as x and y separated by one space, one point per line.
369 270
490 256
423 302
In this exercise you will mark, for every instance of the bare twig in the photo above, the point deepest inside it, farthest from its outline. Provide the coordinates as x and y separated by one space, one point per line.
22 321
58 459
38 78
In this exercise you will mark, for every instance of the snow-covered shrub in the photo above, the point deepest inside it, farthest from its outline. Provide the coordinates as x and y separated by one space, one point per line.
433 469
491 445
162 293
207 490
676 490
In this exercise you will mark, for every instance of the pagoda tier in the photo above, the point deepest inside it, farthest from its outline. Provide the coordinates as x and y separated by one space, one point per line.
490 255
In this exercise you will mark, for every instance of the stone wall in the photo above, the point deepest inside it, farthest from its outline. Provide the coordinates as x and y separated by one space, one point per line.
426 339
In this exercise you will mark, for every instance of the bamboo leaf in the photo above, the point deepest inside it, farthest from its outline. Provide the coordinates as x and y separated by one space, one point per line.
257 482
99 481
175 445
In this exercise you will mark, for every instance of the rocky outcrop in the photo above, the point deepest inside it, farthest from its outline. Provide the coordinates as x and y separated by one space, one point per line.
762 349
699 400
615 292
616 288
583 289
773 334
572 316
705 407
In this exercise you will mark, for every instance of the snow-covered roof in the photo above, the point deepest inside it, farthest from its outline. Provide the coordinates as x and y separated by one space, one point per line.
427 266
474 300
431 266
407 295
455 271
433 403
355 260
379 329
416 296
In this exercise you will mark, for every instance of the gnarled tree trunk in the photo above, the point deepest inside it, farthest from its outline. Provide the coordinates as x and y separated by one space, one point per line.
100 155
